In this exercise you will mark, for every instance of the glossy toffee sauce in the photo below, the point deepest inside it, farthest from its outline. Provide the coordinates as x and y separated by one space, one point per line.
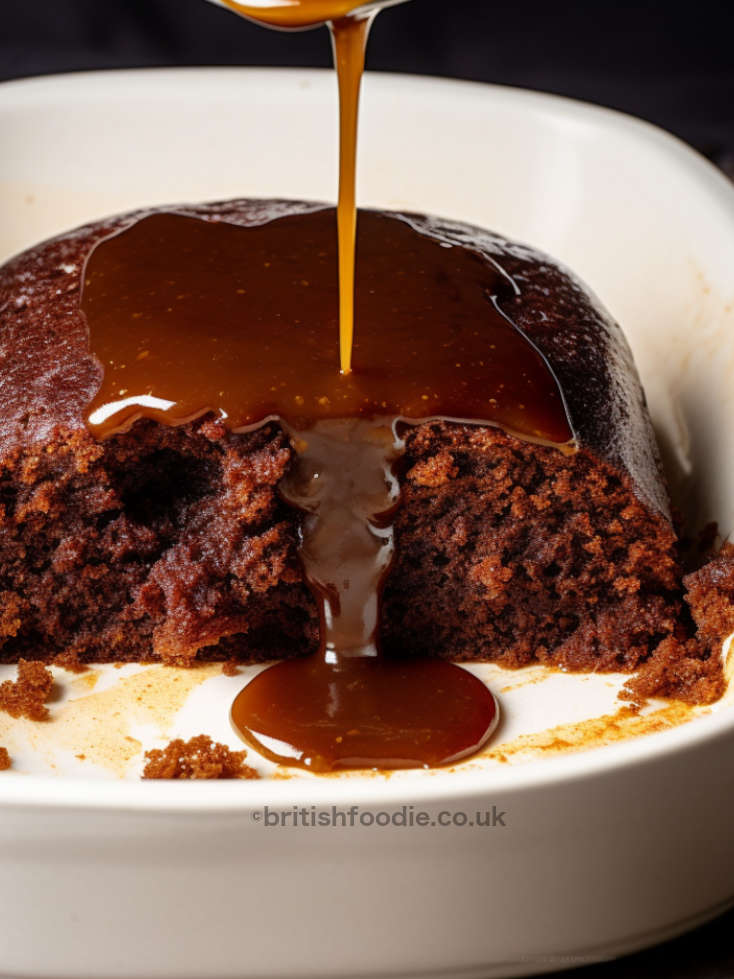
190 316
349 31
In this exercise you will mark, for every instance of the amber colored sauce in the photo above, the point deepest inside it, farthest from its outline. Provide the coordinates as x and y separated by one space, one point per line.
190 316
349 31
365 713
350 42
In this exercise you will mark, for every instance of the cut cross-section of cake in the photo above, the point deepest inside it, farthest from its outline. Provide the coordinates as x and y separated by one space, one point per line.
173 543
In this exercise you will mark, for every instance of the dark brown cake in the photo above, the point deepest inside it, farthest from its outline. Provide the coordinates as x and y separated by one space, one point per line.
172 543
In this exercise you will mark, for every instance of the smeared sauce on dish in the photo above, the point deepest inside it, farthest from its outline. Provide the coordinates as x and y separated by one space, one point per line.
627 722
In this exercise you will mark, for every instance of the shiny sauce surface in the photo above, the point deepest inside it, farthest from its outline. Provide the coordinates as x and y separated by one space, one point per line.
190 316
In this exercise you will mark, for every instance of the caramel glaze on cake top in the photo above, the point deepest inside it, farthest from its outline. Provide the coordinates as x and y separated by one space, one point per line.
189 315
50 376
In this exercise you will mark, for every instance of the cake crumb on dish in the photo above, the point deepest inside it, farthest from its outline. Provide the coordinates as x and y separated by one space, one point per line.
710 595
197 758
230 667
5 762
690 668
27 695
70 661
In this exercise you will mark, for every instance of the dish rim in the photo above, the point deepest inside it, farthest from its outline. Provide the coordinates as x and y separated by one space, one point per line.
368 789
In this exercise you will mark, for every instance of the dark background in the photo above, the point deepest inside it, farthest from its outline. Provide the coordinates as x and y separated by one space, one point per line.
671 63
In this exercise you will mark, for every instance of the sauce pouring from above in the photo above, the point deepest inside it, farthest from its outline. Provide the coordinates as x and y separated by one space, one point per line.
349 22
302 14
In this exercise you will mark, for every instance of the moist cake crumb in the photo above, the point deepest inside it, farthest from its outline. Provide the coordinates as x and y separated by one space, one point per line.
676 670
27 695
4 760
710 596
230 667
197 758
70 661
689 667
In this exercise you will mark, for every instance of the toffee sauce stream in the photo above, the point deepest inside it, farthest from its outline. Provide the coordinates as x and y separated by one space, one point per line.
349 33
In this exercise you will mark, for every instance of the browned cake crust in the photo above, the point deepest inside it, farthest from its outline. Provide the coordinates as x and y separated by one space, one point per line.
172 543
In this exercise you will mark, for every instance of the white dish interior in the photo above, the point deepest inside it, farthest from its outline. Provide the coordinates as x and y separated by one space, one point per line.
647 223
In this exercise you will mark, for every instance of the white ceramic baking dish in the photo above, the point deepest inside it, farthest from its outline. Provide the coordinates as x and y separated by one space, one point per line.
606 848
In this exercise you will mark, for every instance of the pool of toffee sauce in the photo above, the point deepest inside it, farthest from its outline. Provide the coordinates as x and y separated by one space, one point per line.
190 316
